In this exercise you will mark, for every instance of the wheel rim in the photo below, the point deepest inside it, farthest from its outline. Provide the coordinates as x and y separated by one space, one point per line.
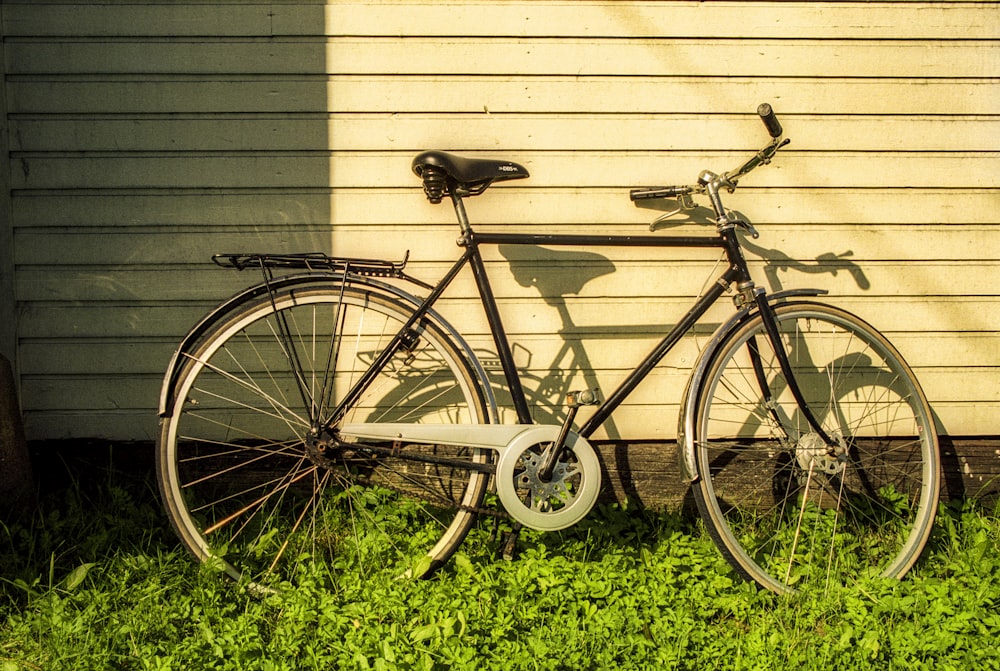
251 482
789 511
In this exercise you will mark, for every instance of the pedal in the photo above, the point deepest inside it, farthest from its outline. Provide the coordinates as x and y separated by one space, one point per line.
509 545
577 399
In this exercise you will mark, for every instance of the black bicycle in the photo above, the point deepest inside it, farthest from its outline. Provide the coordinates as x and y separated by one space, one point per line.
331 413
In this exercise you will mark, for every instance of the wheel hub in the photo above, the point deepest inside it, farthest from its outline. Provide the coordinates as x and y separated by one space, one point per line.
322 448
813 454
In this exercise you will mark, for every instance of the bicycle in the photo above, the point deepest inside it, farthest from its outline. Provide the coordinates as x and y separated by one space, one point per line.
331 412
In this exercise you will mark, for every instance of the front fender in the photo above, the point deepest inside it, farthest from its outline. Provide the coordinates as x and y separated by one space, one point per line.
689 412
166 403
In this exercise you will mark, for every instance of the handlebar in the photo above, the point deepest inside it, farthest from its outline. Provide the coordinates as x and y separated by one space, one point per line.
660 192
729 179
766 115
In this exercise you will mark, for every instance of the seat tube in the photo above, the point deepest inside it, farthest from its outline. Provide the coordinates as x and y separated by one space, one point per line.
456 200
489 303
499 333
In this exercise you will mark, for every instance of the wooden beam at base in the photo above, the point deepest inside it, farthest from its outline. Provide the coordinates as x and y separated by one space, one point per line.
648 472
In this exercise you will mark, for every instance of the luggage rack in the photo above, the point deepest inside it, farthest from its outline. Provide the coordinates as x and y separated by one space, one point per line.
313 261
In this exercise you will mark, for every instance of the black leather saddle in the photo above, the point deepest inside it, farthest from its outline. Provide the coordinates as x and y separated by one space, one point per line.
471 175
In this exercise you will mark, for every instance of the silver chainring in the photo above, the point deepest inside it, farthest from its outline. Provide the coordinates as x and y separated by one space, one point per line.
556 503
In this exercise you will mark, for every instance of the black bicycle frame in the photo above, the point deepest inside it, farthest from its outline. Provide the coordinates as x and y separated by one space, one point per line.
737 272
615 398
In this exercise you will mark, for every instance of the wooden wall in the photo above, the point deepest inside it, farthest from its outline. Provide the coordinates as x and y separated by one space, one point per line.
145 135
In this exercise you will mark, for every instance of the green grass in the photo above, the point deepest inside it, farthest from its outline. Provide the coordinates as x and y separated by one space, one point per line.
94 579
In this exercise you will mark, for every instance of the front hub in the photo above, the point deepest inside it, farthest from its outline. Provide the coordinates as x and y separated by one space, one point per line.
813 454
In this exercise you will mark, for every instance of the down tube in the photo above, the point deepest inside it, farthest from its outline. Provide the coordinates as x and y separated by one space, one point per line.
643 369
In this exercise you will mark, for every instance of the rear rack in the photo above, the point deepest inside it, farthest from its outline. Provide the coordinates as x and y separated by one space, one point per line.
314 261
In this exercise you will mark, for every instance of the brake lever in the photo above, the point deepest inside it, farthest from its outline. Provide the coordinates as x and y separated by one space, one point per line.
747 226
684 204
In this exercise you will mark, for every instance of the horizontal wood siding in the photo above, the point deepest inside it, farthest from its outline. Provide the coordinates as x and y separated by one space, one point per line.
143 136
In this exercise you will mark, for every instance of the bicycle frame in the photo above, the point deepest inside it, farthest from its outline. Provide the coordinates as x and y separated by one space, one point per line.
737 272
619 394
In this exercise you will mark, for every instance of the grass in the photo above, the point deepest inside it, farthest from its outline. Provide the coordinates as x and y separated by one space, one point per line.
94 579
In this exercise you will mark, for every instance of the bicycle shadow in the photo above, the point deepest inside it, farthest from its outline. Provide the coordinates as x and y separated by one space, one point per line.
545 394
626 461
775 260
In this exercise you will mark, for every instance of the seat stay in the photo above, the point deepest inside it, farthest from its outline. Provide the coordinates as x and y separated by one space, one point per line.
397 343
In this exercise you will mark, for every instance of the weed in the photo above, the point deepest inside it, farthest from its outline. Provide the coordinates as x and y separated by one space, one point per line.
93 579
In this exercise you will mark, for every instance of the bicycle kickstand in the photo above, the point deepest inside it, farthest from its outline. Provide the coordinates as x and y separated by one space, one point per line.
509 545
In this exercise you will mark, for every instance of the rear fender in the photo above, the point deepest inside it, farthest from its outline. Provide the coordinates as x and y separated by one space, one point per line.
224 309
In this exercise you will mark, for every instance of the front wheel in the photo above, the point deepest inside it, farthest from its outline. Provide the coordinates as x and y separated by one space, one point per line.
253 478
790 510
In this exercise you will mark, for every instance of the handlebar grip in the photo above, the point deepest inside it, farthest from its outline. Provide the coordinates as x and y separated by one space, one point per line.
658 192
770 121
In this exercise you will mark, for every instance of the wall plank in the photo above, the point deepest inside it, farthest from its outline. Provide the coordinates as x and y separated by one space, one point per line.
505 56
521 19
892 211
799 245
453 94
537 133
563 169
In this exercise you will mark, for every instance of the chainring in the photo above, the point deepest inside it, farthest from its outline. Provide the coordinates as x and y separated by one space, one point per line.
554 503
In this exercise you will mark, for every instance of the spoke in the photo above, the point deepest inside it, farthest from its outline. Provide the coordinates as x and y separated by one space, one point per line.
310 505
231 469
240 493
260 359
278 407
258 503
417 410
429 491
831 559
237 449
798 524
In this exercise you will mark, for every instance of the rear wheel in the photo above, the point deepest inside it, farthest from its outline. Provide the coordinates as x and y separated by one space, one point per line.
252 478
787 509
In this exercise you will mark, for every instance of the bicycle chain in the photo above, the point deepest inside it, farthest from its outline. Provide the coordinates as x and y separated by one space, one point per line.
485 512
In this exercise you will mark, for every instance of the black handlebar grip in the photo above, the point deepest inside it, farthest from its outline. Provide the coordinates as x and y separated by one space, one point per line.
650 193
770 121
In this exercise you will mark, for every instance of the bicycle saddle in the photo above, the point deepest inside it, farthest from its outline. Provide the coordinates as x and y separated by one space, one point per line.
473 175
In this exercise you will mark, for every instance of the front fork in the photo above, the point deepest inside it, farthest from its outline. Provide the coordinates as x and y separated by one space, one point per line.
748 294
774 336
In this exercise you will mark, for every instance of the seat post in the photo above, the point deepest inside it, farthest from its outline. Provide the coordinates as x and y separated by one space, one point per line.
463 218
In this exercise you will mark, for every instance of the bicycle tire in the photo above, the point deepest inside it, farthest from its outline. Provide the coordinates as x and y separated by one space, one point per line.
787 512
245 484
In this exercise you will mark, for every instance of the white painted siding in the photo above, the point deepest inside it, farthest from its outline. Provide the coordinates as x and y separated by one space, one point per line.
143 136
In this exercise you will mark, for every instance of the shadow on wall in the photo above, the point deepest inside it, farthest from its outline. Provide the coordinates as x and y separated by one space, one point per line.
549 373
